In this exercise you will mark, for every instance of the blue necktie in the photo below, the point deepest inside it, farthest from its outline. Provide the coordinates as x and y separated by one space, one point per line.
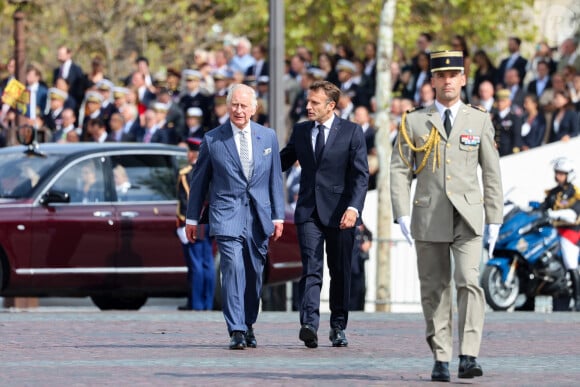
319 146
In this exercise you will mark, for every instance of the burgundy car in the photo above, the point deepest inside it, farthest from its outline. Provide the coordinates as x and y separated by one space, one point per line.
99 220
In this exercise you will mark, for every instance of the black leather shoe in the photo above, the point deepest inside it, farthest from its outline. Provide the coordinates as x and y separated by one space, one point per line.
184 307
468 367
337 337
440 372
251 338
238 340
309 336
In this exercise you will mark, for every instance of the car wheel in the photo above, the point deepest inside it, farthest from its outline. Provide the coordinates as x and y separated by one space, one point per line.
108 302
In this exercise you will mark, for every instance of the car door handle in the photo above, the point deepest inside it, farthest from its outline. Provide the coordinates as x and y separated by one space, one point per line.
102 214
129 214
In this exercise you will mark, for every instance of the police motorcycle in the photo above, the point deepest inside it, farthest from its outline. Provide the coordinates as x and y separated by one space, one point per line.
526 260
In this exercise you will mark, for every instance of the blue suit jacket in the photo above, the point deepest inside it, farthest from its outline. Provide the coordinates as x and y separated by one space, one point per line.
219 171
339 181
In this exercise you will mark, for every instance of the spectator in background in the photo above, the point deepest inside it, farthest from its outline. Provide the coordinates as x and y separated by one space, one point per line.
507 124
175 116
97 72
426 94
192 95
326 63
242 61
363 118
421 76
105 88
534 123
366 89
193 118
165 132
514 61
517 93
53 119
260 66
458 43
97 130
10 67
542 81
423 45
569 55
564 120
68 125
72 73
38 91
132 129
92 110
543 54
485 96
485 71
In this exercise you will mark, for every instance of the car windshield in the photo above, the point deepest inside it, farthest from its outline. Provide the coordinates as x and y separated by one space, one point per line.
20 172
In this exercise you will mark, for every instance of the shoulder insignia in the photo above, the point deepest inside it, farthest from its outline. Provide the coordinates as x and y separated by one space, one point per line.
477 107
415 109
185 170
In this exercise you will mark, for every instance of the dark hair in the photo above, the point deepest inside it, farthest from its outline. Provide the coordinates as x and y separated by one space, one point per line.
97 122
427 36
332 92
142 59
517 40
463 44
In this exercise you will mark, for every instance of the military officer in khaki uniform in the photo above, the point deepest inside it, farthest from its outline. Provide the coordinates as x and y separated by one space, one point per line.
443 144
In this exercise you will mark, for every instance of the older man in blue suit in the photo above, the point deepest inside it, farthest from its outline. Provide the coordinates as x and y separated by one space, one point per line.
333 185
238 168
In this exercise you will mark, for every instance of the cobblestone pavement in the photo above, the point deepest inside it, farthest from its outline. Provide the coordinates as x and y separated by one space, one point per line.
162 347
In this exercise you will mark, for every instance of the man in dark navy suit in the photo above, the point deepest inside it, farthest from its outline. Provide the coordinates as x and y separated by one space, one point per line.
333 186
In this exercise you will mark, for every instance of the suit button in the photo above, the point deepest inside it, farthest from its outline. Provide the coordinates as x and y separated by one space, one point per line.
448 161
448 145
448 193
448 177
416 202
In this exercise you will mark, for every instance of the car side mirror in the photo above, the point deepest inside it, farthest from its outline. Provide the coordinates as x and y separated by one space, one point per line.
54 197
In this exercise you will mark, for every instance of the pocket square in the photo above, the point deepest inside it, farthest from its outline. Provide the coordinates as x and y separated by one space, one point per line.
267 151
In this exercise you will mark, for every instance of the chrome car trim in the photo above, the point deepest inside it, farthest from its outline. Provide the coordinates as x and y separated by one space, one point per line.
287 265
102 270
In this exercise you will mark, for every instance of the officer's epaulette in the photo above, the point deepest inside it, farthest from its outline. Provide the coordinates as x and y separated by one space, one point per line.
185 170
414 109
477 107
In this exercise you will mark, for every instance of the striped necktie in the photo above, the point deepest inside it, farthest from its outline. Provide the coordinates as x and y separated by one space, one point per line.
245 155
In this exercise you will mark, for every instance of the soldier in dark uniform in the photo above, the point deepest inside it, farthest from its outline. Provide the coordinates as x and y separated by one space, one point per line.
194 96
358 287
53 119
198 255
105 88
508 125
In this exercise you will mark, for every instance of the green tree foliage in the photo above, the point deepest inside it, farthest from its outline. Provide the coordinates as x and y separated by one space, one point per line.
169 32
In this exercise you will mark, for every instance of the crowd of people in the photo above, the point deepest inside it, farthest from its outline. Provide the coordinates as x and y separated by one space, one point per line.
532 101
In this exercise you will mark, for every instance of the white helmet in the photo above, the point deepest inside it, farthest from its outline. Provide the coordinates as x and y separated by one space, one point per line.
565 165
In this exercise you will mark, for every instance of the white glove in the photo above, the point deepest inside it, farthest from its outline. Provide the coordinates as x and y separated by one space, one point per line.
492 234
405 224
181 234
567 215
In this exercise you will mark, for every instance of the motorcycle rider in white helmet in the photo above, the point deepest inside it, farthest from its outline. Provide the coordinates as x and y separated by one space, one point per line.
563 207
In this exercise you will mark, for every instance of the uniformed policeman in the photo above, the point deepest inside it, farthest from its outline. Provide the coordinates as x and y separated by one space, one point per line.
198 255
443 144
563 206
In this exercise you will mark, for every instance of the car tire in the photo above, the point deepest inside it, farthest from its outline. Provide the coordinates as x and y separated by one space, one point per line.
109 302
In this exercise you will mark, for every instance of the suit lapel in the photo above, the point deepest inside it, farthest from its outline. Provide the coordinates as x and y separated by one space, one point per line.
256 147
230 144
332 134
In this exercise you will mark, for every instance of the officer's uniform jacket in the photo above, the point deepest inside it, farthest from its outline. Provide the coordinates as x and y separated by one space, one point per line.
449 181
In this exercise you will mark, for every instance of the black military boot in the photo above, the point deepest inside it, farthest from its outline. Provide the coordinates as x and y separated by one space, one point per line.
575 276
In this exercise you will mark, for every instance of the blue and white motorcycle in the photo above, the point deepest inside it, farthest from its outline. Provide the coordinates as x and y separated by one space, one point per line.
526 261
